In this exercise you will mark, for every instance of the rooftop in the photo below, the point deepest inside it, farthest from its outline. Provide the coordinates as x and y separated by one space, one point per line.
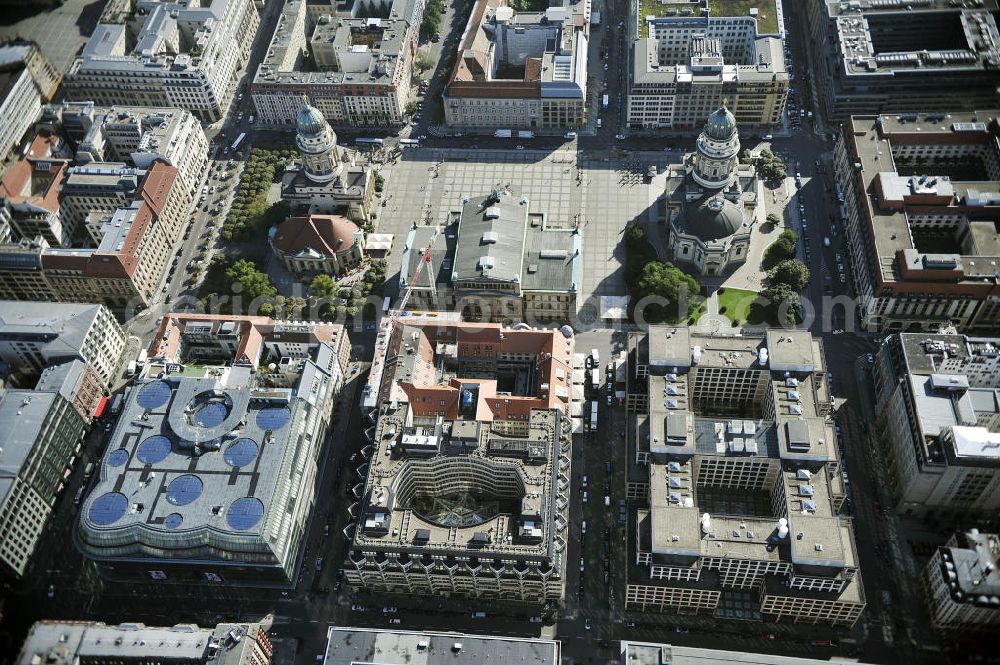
202 449
440 411
764 11
882 148
648 653
347 646
879 38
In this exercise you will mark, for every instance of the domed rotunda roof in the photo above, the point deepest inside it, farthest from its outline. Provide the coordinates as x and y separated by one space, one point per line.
721 125
310 121
713 218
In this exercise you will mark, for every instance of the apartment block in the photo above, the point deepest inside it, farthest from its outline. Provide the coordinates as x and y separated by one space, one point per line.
20 102
348 646
210 474
126 267
961 586
93 191
356 70
40 433
31 191
140 136
650 653
164 54
920 196
693 56
497 262
36 335
739 489
95 643
904 57
525 70
940 423
466 489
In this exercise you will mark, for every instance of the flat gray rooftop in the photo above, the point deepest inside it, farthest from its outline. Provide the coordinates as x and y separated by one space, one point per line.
349 646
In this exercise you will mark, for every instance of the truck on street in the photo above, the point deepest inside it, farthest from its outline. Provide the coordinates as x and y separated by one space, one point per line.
523 134
502 134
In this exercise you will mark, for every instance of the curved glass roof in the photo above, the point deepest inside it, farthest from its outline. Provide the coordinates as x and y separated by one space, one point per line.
154 449
244 513
173 520
108 508
154 395
184 489
273 418
118 457
241 453
210 415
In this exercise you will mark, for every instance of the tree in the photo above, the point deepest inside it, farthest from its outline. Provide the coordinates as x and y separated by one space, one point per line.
255 283
781 303
323 286
792 272
771 168
379 182
781 249
666 281
411 108
423 61
773 219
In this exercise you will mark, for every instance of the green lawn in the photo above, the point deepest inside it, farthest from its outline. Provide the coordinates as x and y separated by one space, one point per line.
737 304
767 12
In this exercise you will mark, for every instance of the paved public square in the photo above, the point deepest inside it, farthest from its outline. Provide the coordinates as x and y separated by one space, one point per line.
60 32
593 190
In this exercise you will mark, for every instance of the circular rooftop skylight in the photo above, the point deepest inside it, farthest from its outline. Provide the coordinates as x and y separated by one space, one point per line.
154 449
118 457
244 513
184 489
154 395
108 508
241 453
273 418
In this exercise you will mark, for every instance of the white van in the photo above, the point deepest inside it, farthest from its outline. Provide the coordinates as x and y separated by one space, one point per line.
607 501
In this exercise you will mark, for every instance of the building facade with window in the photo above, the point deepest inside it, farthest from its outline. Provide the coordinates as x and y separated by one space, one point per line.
716 419
94 643
466 491
885 57
210 473
941 423
520 70
161 54
356 71
40 433
35 335
920 196
961 585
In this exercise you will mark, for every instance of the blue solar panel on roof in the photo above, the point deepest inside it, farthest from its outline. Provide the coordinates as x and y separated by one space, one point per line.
154 449
241 453
211 415
154 395
173 520
244 513
118 457
184 489
273 418
108 508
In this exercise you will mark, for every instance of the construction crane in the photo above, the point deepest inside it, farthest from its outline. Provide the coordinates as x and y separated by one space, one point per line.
425 260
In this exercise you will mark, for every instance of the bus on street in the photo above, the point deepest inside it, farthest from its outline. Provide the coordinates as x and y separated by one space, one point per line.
239 140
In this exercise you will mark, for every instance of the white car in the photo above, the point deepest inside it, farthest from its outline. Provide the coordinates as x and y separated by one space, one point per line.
569 136
389 610
520 147
620 137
